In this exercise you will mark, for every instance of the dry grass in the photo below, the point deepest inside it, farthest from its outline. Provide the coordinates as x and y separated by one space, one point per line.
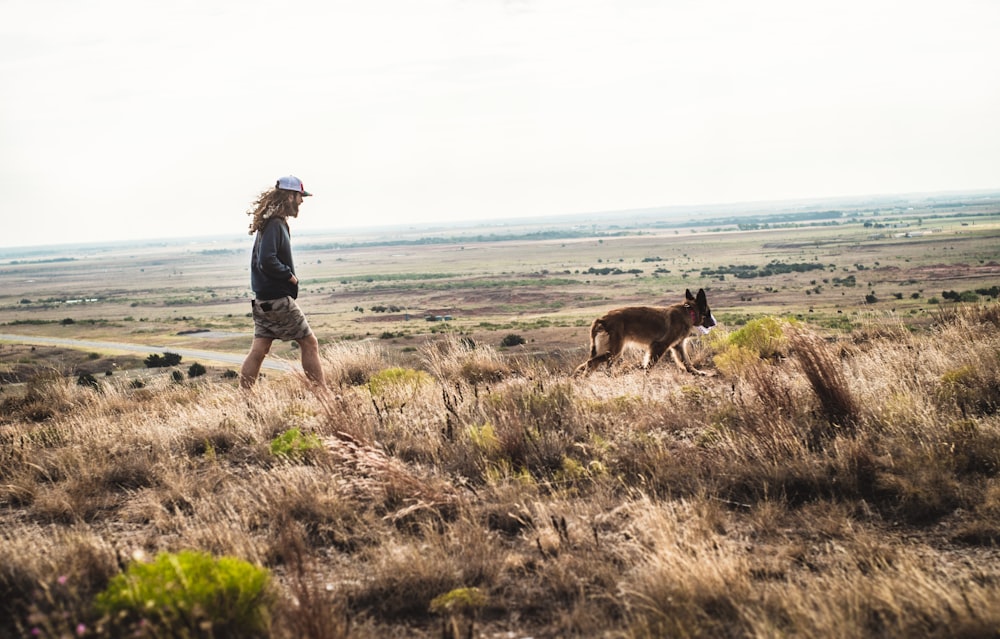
850 489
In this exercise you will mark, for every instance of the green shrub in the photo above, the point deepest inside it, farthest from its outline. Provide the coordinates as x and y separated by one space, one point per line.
292 444
461 606
397 378
190 594
196 370
759 339
764 336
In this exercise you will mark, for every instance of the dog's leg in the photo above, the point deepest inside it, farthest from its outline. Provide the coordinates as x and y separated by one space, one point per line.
587 367
682 358
654 353
616 344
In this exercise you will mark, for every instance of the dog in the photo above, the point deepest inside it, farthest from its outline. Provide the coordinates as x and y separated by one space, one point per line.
655 328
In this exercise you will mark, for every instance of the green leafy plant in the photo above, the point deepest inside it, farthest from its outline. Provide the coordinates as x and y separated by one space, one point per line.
292 444
188 592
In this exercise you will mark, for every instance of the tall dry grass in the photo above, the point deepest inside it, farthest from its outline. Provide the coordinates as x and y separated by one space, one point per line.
846 488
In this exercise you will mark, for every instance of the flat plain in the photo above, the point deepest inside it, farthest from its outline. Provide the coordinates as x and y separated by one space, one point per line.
827 263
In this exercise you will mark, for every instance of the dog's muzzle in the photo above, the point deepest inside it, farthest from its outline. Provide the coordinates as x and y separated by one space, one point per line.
707 325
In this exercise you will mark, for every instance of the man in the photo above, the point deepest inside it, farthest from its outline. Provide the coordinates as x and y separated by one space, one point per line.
275 285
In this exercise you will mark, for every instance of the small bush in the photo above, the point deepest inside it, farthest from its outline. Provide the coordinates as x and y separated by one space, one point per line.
459 604
759 339
189 592
196 370
764 336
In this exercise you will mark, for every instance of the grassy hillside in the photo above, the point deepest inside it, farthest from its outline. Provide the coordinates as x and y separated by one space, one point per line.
819 484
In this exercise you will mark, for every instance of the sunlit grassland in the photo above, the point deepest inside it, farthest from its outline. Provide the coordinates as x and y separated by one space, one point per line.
820 484
837 475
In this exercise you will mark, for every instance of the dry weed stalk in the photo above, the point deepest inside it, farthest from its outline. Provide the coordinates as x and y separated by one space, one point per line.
823 370
368 474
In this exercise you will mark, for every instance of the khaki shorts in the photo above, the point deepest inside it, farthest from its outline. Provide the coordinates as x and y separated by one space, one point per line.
279 319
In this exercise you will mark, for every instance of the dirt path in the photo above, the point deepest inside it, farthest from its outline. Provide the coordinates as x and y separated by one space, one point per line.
216 356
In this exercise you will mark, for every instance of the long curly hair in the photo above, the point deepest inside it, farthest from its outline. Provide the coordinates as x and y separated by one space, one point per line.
270 204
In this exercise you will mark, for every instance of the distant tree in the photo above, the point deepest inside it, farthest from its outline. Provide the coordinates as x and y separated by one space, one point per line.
512 339
196 370
162 361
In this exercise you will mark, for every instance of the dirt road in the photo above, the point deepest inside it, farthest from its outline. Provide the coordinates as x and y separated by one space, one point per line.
215 356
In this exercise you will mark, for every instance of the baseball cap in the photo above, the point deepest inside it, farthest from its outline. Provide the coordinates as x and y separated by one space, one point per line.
292 183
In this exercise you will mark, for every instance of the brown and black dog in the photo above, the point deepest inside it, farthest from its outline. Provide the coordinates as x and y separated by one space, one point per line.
655 328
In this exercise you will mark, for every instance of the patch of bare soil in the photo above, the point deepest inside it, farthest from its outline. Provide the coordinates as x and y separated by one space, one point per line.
935 272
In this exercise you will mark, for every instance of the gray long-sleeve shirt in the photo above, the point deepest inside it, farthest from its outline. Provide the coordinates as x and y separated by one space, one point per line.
271 264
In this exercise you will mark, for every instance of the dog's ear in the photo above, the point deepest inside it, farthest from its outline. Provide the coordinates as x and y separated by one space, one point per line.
702 298
687 294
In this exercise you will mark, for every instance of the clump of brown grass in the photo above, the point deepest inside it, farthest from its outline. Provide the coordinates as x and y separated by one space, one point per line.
826 378
48 393
453 359
47 579
353 363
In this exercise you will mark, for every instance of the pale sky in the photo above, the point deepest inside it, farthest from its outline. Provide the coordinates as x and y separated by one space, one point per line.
132 119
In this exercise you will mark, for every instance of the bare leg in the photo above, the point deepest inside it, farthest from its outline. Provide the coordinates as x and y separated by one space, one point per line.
254 360
311 364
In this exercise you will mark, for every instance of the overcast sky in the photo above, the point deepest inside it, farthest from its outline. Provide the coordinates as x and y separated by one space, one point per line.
129 119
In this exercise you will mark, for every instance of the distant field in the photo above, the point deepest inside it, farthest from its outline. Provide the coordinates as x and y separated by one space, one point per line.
542 281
